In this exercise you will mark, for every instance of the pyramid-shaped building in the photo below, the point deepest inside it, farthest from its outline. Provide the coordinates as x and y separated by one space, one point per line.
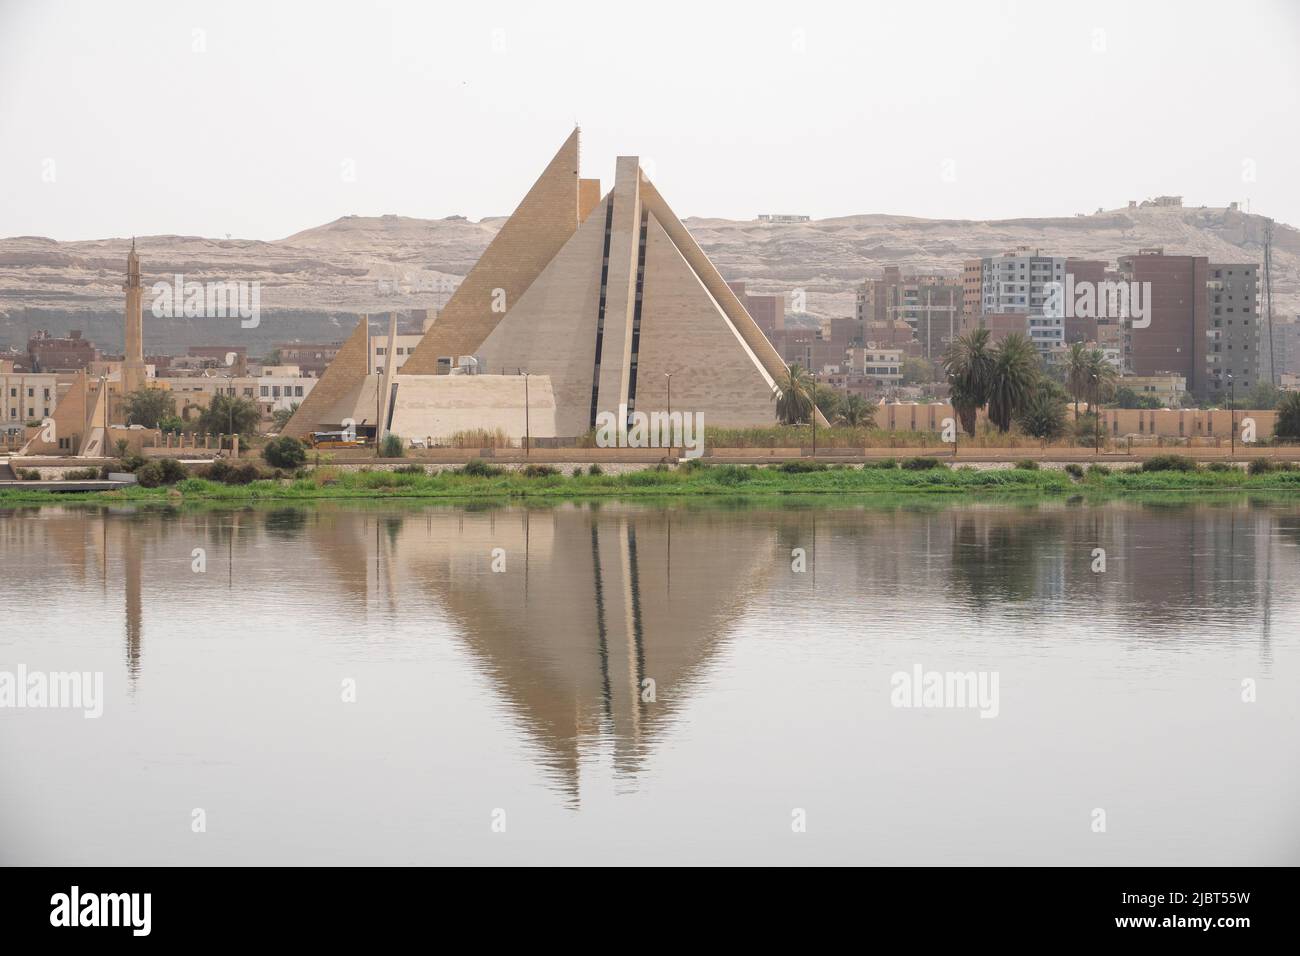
605 301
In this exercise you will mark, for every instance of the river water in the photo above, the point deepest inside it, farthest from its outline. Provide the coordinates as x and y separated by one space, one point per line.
405 682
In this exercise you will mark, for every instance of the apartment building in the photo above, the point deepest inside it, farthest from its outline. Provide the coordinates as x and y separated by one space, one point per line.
27 396
767 311
931 306
1234 333
1016 287
404 344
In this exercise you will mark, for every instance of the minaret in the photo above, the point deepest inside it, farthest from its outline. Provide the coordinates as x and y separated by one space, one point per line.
133 372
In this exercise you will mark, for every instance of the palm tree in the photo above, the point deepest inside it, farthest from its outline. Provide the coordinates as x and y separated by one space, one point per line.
1101 380
1078 374
828 401
968 364
857 412
1043 414
1288 417
1015 374
794 395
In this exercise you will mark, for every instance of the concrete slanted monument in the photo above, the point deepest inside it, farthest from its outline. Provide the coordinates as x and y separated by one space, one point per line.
599 299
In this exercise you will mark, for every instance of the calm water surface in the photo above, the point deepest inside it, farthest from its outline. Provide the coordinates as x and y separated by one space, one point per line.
523 694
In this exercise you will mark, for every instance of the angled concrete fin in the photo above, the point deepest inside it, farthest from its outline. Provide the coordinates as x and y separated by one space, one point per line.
545 219
338 386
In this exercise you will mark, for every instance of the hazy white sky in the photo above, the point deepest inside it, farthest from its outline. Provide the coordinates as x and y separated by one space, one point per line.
211 118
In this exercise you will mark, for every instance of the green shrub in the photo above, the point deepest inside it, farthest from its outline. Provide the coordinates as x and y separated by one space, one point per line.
576 473
219 470
732 474
1220 466
172 471
150 475
539 471
284 452
1101 471
1027 464
478 468
245 474
799 467
131 463
1169 463
882 463
392 447
921 464
595 470
1074 470
1259 466
29 474
649 476
411 469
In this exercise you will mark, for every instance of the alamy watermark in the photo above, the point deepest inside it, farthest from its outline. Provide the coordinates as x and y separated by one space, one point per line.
72 690
946 689
128 910
1099 300
208 300
684 430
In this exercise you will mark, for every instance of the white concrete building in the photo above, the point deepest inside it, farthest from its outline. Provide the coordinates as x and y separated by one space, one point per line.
1018 283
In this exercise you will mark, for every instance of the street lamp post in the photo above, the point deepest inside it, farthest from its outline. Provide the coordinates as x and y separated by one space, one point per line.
1232 412
527 423
230 408
669 376
1096 416
814 415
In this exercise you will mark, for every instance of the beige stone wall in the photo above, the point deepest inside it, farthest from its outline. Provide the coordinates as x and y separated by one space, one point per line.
438 406
545 219
1115 422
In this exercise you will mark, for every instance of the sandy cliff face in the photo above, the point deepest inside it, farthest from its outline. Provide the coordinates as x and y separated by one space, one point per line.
365 264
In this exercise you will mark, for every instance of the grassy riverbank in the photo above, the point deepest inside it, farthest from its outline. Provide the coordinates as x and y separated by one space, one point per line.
480 481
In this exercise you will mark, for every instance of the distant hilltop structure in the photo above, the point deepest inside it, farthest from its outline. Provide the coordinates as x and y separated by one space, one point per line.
772 218
1175 202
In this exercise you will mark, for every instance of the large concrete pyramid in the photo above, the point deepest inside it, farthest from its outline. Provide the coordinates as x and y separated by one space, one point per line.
627 301
608 298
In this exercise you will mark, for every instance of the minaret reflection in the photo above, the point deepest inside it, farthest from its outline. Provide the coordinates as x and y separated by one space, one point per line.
132 605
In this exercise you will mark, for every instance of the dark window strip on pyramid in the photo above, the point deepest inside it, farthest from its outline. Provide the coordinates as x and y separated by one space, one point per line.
600 313
636 313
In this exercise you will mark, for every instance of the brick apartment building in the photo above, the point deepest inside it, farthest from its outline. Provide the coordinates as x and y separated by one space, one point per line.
47 353
767 311
311 359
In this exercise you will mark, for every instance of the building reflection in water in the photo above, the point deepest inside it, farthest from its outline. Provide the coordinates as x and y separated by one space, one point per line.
607 615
